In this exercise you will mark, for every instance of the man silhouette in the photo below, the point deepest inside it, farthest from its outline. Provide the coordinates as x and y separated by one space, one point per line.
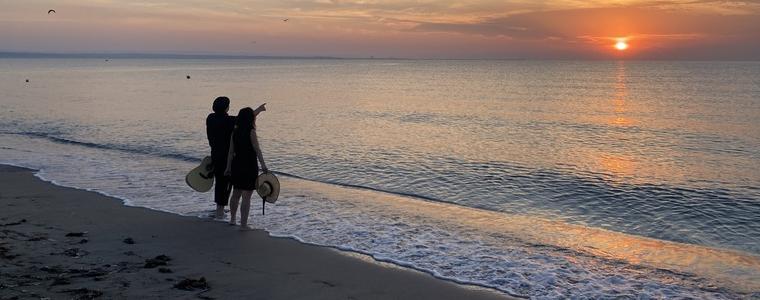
219 127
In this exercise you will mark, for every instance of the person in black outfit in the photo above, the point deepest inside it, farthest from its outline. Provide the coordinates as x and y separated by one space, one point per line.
219 127
242 160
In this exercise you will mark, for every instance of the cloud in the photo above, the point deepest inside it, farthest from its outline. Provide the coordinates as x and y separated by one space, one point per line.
443 28
651 25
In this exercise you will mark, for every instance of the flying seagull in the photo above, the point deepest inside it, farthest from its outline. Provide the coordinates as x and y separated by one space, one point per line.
51 11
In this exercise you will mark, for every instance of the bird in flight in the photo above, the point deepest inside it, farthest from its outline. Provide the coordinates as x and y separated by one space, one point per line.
51 11
285 20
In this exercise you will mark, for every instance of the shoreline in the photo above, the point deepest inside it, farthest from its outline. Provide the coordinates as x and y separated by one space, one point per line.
111 249
593 240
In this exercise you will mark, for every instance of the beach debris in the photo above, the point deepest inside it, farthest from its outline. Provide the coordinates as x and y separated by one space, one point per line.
189 284
51 11
97 272
75 252
20 221
37 238
15 235
161 260
164 257
53 270
61 281
76 234
165 270
129 241
72 252
4 253
325 282
84 293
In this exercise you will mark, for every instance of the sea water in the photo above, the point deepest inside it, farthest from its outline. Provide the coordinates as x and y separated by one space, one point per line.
541 179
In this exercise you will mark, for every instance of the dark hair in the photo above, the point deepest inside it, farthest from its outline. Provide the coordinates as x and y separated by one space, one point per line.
221 104
245 119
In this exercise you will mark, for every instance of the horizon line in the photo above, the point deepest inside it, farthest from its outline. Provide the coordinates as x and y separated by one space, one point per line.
175 55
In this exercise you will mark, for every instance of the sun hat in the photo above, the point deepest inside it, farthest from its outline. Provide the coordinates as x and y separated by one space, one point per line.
268 187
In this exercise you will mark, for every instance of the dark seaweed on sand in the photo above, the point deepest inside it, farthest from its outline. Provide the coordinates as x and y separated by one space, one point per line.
189 284
72 252
14 223
161 260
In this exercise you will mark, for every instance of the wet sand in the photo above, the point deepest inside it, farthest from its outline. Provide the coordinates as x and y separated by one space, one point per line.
58 242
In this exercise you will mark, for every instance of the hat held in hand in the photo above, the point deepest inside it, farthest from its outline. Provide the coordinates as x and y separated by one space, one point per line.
268 187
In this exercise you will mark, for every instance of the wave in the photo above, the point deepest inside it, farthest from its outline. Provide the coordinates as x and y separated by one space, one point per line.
519 255
562 193
188 158
116 147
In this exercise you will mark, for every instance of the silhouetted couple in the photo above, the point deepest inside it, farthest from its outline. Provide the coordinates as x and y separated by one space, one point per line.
235 152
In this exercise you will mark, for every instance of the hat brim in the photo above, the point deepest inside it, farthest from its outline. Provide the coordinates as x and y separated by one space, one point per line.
274 184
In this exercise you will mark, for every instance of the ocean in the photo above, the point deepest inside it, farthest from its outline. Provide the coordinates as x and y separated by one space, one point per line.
541 179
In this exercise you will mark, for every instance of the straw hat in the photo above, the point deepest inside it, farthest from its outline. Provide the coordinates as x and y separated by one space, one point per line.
268 187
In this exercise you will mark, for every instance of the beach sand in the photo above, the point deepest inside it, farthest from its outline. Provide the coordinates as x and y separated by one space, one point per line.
115 251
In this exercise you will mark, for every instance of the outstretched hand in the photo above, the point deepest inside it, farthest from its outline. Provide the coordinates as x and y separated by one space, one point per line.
260 108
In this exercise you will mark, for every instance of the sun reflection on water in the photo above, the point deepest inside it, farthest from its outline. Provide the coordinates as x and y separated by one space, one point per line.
619 101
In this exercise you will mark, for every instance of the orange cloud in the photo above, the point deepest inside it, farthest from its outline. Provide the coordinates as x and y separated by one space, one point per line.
689 29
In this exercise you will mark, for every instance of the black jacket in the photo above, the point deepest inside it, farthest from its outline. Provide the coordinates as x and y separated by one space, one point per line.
219 129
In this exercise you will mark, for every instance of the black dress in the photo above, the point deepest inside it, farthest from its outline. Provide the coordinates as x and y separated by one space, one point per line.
244 167
218 130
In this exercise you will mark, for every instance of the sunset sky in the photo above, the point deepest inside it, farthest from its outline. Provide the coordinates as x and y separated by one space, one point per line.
563 29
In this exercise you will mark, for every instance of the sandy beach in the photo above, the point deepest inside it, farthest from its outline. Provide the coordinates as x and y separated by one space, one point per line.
63 243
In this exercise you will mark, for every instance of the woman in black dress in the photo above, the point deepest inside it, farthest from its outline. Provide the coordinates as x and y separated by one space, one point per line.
242 162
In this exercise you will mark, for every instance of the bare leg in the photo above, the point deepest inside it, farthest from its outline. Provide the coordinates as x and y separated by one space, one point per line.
245 208
219 211
234 201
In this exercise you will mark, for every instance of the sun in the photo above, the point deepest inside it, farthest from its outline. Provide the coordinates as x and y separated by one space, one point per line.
621 44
